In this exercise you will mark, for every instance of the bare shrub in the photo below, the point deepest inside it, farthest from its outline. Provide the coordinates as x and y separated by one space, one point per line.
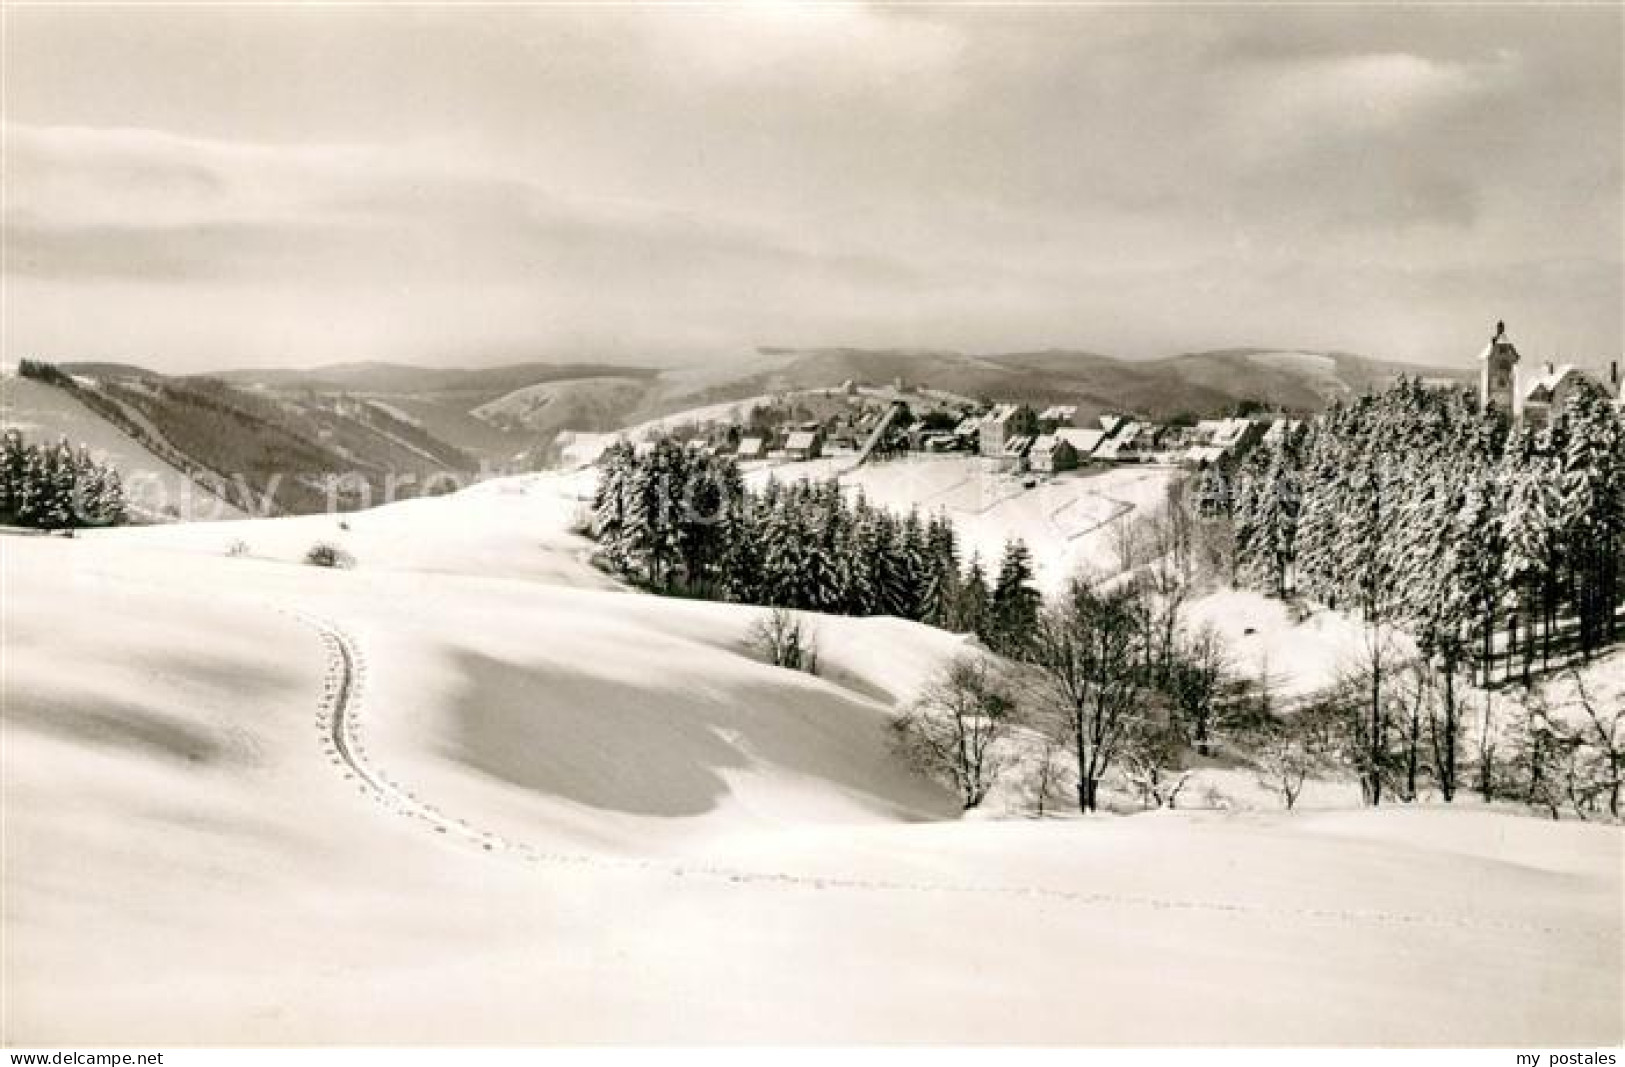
1046 777
327 554
1567 750
1285 757
785 639
1150 763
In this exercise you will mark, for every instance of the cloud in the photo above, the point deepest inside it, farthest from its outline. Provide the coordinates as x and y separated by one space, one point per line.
1365 93
152 206
854 49
655 181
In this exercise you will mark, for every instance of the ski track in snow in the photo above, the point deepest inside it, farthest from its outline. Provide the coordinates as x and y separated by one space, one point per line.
340 712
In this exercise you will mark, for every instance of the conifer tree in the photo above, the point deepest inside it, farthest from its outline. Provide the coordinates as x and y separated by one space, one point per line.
973 611
1015 601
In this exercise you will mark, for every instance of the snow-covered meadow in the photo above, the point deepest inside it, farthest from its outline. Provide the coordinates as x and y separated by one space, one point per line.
471 791
1064 519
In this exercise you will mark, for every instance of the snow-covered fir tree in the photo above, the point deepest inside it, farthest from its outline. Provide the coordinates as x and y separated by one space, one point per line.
57 487
1015 602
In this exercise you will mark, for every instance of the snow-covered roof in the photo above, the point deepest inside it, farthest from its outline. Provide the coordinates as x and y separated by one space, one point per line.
750 446
1547 383
1231 432
968 425
1203 454
1000 413
1110 423
1122 439
1059 413
1047 443
801 439
1280 428
1083 441
1018 446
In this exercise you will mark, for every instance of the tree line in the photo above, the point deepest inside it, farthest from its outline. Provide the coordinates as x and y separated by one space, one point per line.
1107 672
1109 685
1415 507
1418 511
56 487
1118 686
679 521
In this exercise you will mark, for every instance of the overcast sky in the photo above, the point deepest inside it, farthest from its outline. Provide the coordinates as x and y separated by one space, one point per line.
207 187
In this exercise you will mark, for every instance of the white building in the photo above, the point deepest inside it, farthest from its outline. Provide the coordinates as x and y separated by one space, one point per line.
1083 442
996 428
1534 399
804 444
1051 453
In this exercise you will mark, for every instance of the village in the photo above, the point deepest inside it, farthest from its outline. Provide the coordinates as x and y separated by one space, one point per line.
863 423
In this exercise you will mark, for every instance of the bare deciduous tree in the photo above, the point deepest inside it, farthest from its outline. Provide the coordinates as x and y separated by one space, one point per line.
1194 681
1488 743
1444 729
1087 651
1602 737
1414 699
956 727
1364 693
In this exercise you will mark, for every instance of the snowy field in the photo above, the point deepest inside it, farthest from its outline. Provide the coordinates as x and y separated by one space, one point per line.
1065 520
1297 657
471 792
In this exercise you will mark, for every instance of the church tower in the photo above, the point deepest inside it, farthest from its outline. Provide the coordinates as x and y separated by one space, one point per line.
1498 378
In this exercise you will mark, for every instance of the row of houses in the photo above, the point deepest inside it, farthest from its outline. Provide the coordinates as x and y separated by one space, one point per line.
1023 439
1046 442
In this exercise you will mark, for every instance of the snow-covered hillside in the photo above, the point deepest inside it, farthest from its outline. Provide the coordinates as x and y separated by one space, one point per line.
469 791
1065 520
154 488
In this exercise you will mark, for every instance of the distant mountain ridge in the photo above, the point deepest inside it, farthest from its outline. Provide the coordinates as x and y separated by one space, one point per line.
377 377
389 418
